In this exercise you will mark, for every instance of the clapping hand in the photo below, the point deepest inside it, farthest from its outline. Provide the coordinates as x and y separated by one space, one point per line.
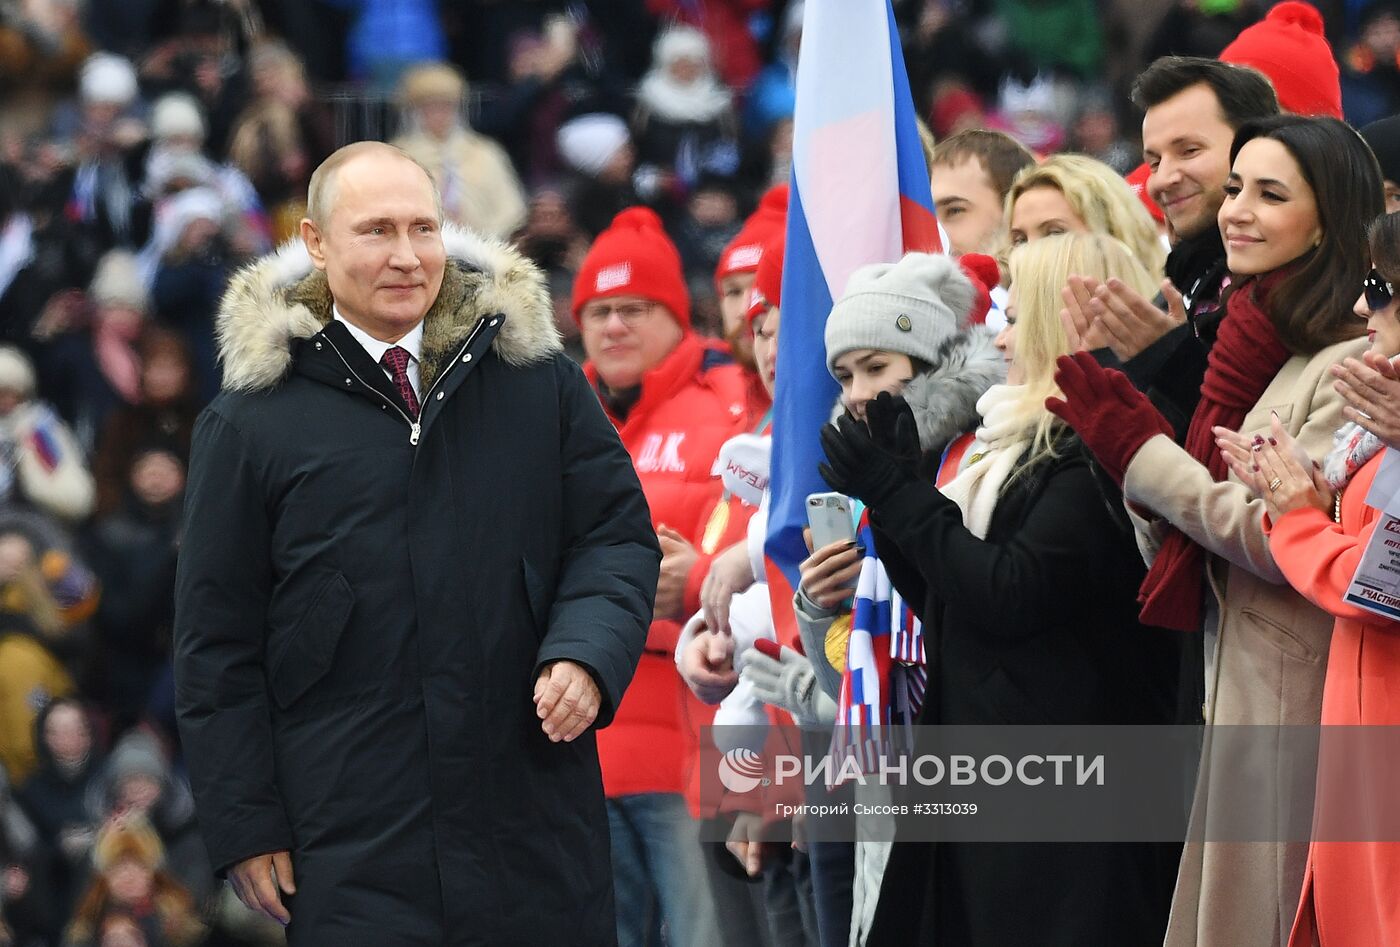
1111 417
1371 387
872 461
1275 469
1115 316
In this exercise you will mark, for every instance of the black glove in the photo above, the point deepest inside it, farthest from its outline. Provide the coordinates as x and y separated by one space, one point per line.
859 466
894 430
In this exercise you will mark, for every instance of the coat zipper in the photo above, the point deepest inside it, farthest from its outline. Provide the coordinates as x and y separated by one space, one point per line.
415 428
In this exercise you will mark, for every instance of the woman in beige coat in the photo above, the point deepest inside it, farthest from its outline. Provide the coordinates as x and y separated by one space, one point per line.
1299 194
479 186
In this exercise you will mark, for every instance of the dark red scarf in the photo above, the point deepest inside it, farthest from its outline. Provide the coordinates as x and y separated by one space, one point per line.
1245 358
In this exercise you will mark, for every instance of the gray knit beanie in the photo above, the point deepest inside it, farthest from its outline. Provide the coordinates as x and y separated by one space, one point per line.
908 307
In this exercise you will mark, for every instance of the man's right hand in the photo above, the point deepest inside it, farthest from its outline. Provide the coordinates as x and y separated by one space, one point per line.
1130 322
257 881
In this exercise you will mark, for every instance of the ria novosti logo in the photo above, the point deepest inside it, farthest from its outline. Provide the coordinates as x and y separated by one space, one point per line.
741 770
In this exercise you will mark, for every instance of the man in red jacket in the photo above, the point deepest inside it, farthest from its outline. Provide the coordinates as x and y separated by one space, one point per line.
675 400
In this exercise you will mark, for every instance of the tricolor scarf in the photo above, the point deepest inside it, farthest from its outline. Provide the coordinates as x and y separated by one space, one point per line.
1245 358
886 672
882 685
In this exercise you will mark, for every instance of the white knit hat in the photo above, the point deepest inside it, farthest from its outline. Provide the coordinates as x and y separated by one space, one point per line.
177 113
118 282
16 372
107 77
589 142
909 307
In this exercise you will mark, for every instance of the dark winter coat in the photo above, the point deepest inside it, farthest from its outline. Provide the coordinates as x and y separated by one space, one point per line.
363 606
1035 625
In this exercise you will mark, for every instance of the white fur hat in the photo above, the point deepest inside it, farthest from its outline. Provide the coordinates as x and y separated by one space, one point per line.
16 372
118 282
589 142
107 77
177 113
909 307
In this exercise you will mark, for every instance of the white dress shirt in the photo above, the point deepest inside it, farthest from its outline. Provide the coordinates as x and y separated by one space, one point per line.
411 343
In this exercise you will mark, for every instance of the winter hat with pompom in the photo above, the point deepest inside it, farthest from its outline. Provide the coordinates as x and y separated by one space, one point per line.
909 307
634 257
985 274
1289 47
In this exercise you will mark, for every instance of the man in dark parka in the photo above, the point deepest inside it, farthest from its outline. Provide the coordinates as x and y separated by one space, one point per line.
395 630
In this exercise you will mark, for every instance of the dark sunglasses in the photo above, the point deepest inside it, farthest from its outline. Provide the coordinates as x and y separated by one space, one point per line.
1378 292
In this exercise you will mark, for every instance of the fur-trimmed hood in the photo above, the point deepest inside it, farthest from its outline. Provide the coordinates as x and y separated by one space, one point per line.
282 297
944 398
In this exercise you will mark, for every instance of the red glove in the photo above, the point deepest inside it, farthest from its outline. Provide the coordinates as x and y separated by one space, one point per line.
1111 417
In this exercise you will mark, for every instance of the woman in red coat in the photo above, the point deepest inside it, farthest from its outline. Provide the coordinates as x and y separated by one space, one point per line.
1319 526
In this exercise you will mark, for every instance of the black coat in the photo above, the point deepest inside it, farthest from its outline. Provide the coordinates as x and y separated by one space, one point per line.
360 619
1035 625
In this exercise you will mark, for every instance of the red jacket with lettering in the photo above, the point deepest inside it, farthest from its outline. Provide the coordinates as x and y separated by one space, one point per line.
690 405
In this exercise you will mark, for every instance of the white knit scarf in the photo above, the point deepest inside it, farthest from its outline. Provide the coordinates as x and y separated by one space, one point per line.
1001 442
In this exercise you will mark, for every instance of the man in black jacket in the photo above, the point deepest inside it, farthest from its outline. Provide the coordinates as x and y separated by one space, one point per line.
1192 109
418 567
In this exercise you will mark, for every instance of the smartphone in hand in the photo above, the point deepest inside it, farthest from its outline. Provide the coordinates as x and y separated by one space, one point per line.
829 515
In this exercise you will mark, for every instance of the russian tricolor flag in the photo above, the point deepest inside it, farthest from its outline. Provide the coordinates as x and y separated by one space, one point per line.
860 194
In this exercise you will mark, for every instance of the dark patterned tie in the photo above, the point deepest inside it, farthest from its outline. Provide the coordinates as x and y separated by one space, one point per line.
396 360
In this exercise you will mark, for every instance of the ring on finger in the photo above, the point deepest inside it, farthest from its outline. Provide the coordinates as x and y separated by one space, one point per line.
1275 483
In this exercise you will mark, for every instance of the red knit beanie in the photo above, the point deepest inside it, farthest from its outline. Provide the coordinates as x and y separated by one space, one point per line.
1288 46
741 255
985 274
1137 180
634 257
768 281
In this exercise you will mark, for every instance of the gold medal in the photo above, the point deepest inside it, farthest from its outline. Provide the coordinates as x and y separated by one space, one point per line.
714 529
838 635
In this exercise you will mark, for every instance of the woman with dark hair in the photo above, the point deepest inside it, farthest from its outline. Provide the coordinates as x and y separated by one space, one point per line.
1295 244
1319 527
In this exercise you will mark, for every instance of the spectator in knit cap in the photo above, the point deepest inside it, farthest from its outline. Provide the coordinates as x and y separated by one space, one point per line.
598 148
1384 138
176 160
479 186
734 279
103 190
89 363
137 783
675 400
684 122
1289 47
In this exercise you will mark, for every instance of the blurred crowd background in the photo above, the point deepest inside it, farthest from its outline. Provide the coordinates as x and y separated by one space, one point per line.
150 147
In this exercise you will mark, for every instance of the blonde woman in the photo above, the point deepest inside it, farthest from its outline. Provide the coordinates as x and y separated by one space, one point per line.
1075 194
1026 582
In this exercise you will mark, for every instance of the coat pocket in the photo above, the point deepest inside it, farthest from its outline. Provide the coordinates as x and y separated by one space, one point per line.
1282 638
309 648
537 596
